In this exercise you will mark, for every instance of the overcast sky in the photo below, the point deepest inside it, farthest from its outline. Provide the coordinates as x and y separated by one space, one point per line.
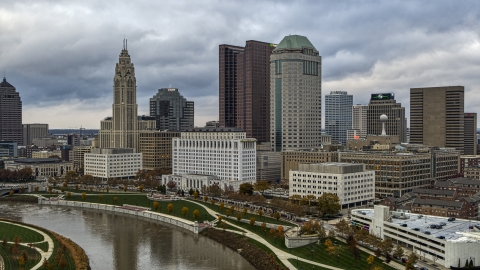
60 55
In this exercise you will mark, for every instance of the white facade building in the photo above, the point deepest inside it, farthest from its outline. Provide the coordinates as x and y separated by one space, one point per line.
224 153
112 162
457 240
352 183
359 119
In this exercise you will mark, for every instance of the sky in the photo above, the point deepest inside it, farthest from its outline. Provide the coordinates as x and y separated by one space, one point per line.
61 55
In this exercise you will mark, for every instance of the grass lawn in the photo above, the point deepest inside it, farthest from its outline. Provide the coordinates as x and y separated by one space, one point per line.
12 261
316 252
306 266
229 227
56 248
9 231
141 200
270 220
43 246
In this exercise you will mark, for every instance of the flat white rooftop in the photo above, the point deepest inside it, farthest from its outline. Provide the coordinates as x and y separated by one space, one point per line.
455 231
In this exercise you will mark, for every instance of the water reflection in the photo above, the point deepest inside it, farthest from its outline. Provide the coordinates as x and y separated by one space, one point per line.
118 241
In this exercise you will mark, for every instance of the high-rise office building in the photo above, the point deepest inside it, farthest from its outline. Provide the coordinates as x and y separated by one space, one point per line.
171 110
359 119
34 131
295 94
437 116
470 133
10 113
338 115
396 124
121 130
245 88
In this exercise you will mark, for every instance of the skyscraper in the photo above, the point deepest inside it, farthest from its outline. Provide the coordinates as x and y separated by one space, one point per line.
171 110
437 116
121 130
338 115
385 103
245 88
34 131
10 113
470 131
295 94
359 119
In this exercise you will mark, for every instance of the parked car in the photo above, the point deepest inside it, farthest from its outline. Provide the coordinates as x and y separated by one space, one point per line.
427 232
451 219
404 260
423 268
416 229
443 223
404 225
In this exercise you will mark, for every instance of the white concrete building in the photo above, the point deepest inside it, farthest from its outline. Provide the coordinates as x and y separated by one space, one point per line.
352 183
224 153
458 239
112 162
42 168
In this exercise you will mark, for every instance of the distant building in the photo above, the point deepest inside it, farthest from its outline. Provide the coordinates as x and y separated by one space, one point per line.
244 88
268 166
73 140
10 114
470 133
78 156
8 149
225 153
472 172
353 184
291 160
42 167
338 115
171 110
212 124
34 131
468 161
156 149
295 95
396 124
45 142
113 163
359 120
437 116
46 154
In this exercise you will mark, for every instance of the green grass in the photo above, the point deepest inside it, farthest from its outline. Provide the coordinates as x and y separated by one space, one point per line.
9 231
56 247
265 219
319 253
43 246
229 227
12 262
305 266
266 249
141 200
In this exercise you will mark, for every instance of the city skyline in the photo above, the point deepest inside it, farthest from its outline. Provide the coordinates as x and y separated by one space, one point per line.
60 61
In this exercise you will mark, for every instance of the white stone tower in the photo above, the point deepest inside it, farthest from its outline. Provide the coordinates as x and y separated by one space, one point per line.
383 120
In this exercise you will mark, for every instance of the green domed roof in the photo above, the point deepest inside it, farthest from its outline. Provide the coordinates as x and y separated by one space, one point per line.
295 42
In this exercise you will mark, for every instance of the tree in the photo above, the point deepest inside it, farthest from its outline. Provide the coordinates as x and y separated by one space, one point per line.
386 246
69 194
261 186
343 227
329 204
124 188
228 212
361 235
170 207
412 260
281 231
140 188
295 199
245 210
370 260
171 185
264 226
156 205
84 195
100 198
87 178
260 213
212 201
184 211
252 221
108 189
71 176
276 215
195 194
205 198
239 216
246 188
21 261
221 206
272 230
196 214
115 199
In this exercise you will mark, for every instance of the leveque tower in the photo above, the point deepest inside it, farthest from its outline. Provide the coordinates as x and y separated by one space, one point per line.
122 129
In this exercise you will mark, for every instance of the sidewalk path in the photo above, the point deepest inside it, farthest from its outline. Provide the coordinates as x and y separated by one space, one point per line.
46 238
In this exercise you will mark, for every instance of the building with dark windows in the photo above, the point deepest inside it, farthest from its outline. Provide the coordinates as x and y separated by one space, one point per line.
295 95
171 110
470 133
245 88
338 115
10 114
437 116
34 131
396 124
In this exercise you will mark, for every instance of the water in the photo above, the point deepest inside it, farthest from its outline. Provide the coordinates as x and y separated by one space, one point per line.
118 241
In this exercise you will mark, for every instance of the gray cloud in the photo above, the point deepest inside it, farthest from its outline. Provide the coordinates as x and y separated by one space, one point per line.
61 54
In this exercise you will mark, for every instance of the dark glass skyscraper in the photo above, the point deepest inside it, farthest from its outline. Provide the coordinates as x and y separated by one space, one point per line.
171 110
245 88
10 114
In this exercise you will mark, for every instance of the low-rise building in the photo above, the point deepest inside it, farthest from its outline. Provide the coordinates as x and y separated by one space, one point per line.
291 159
472 172
107 163
268 166
458 240
78 156
8 149
42 167
46 154
465 187
468 161
353 184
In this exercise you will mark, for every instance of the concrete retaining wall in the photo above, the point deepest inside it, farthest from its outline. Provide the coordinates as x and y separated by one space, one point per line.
185 224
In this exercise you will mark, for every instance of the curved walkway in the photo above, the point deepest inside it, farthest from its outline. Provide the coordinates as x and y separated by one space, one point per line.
282 255
45 254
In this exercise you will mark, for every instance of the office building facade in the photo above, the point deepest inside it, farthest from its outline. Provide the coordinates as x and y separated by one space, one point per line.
396 124
10 113
295 95
245 88
338 115
113 163
470 133
156 149
171 110
359 120
437 116
34 131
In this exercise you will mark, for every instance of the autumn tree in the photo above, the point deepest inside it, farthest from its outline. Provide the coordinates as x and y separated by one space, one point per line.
386 246
221 206
69 194
84 195
264 226
277 215
171 185
228 212
295 199
398 253
212 201
115 199
343 227
261 186
281 231
329 204
100 198
252 221
205 198
71 176
108 189
196 214
170 207
412 260
245 210
246 188
260 213
184 211
156 205
239 216
370 261
195 194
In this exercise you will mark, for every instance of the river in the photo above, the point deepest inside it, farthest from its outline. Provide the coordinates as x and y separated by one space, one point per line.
123 242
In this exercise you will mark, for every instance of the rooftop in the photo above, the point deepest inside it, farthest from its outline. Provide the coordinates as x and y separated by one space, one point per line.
4 83
294 42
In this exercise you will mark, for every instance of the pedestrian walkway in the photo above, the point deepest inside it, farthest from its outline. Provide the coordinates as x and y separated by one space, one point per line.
46 238
282 255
